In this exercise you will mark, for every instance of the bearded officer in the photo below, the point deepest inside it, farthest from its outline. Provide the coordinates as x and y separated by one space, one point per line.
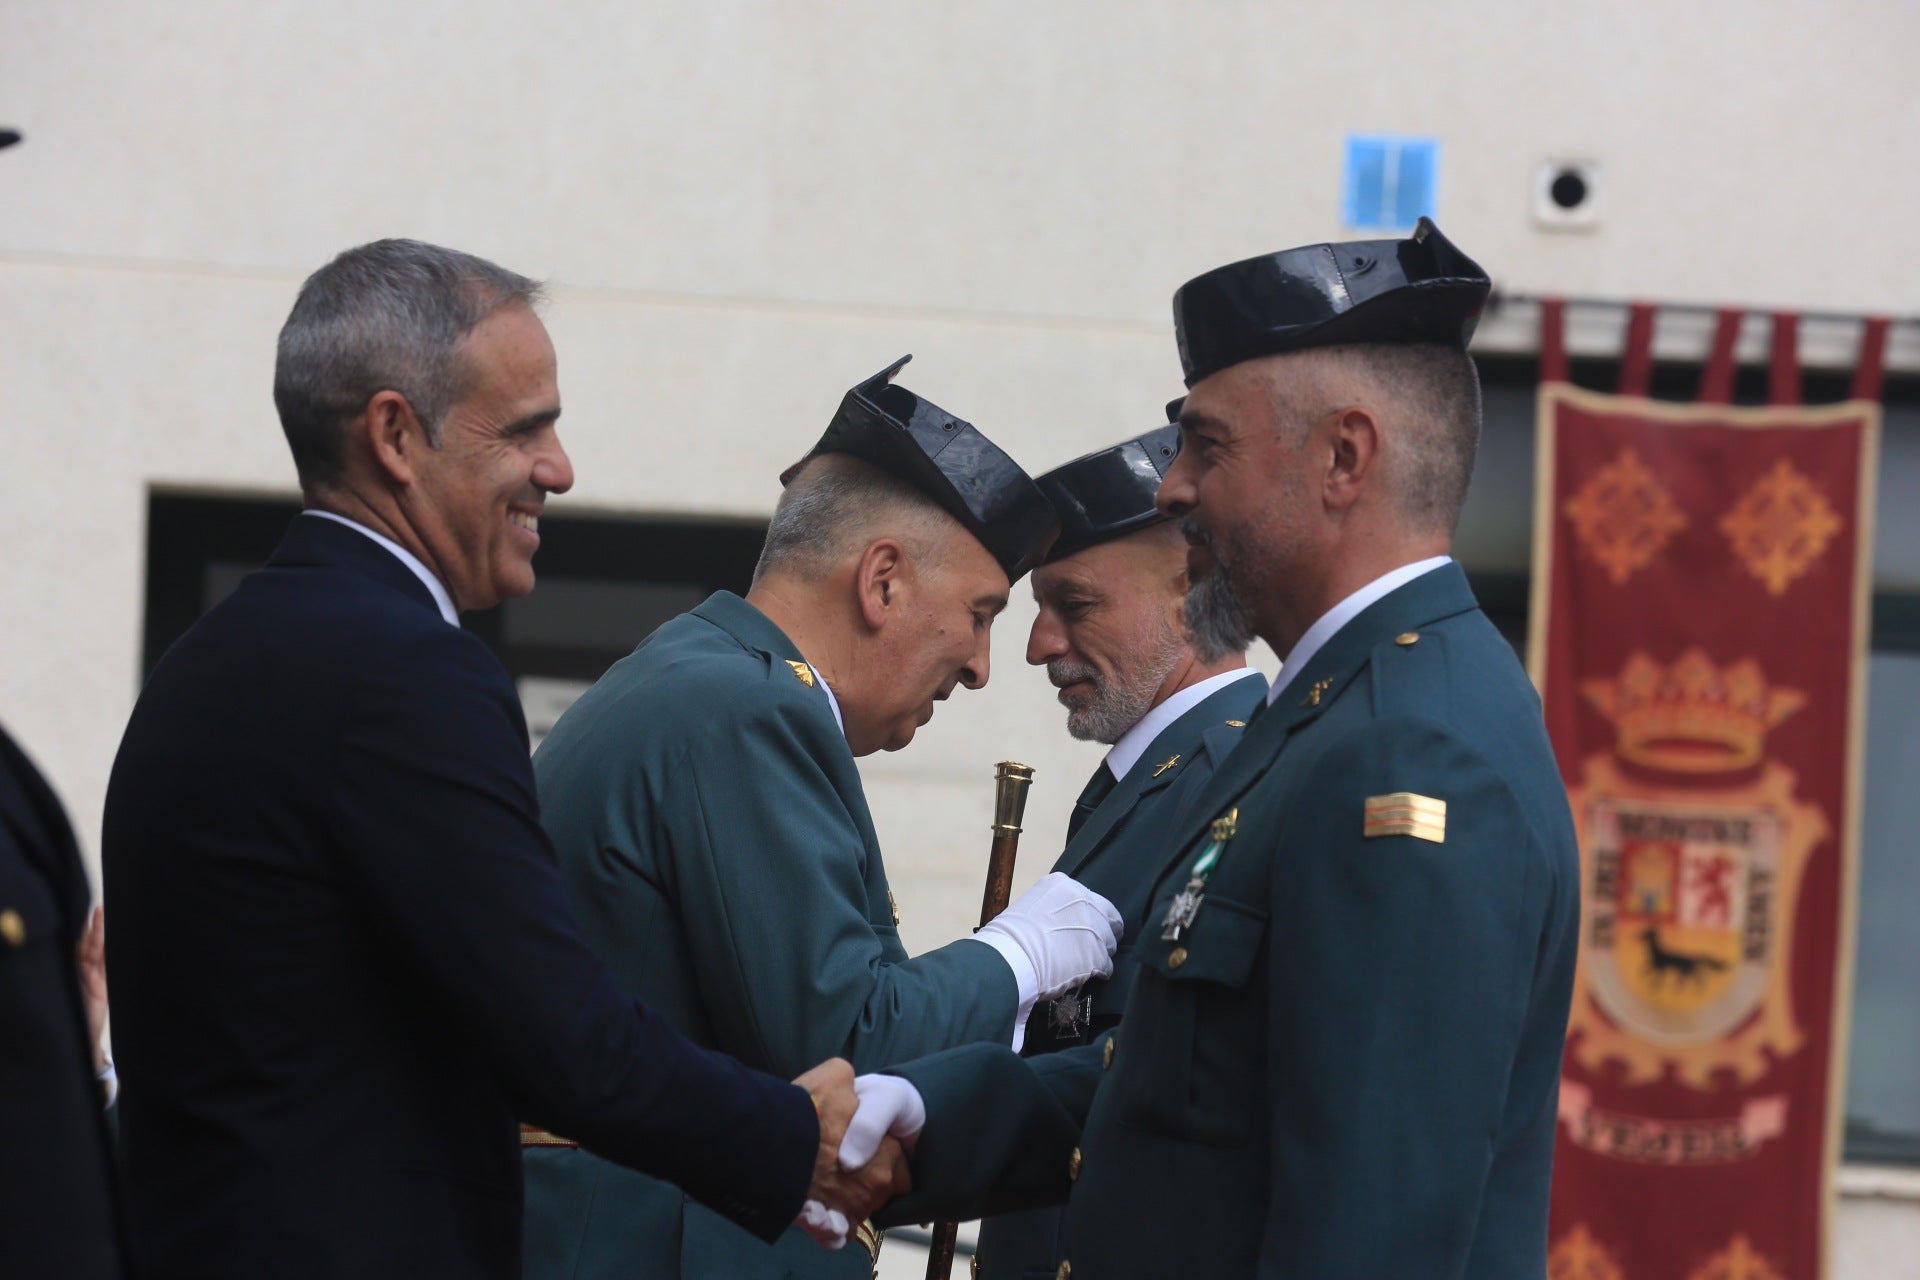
1160 675
1341 1054
715 841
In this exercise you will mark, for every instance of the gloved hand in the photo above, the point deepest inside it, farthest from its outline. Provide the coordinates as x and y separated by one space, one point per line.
828 1227
1066 931
889 1107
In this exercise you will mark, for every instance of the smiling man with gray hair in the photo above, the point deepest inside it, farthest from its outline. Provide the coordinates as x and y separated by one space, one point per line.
343 966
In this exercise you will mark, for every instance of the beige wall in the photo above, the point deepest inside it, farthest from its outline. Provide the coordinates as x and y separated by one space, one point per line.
747 206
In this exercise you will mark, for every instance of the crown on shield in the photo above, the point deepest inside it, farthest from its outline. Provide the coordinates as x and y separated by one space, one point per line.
1694 717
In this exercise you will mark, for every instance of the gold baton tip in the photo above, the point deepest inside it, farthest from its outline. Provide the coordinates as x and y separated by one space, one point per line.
1011 780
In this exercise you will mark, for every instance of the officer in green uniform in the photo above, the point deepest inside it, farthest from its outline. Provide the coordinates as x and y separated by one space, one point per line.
1166 686
1341 1053
715 842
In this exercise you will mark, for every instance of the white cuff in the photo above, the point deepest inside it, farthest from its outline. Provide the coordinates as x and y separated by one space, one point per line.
109 1082
1025 978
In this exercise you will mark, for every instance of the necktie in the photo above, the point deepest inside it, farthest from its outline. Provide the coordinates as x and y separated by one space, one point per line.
1098 786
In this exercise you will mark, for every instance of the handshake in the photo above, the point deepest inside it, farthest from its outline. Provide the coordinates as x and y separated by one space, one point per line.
1057 936
868 1125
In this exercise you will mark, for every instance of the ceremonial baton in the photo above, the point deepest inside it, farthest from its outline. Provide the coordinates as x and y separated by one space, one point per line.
1010 783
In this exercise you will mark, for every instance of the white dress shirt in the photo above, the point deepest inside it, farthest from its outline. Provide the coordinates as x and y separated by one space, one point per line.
1134 742
405 557
833 703
1330 622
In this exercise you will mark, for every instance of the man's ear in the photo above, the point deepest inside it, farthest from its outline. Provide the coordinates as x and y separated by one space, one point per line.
1353 445
877 580
394 435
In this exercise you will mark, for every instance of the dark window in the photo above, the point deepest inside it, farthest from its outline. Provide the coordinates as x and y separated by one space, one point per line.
605 583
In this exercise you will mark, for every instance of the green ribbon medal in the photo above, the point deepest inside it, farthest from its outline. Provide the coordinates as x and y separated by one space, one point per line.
1186 903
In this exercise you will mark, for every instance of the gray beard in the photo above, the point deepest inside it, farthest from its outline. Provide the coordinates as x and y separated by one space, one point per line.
1219 621
1120 703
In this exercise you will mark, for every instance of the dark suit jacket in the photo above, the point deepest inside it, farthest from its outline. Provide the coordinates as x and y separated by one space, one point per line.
343 964
1349 1064
58 1217
1119 852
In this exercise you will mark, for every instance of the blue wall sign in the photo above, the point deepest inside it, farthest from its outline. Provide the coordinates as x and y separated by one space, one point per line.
1390 181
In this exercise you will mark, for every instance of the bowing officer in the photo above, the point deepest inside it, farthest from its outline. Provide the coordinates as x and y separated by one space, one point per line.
1160 675
1341 1053
714 838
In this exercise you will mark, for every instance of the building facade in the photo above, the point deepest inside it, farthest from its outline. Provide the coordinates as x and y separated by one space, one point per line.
745 207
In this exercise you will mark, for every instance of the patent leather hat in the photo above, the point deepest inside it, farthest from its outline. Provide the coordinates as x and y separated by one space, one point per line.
1109 493
949 460
1418 290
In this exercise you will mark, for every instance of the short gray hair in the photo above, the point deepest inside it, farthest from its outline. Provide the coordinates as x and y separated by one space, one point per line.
1442 388
837 506
387 316
1436 392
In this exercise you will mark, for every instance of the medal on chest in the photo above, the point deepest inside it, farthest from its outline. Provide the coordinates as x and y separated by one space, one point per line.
1070 1015
1186 904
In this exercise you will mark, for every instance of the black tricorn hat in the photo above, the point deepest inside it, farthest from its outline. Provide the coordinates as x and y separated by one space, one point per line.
1420 289
915 440
1109 492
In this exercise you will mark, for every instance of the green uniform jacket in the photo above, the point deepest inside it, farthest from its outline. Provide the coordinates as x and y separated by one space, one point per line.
1119 852
714 840
1348 1066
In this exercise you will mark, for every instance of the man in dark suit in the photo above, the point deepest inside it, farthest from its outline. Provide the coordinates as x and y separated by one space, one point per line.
59 1219
1163 680
1341 1055
344 967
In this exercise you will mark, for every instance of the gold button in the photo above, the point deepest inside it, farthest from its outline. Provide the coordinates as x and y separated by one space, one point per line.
1106 1055
12 927
1407 638
1065 1270
973 1266
1176 957
1073 1166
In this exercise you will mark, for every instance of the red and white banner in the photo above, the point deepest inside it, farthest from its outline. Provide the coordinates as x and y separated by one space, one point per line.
1701 586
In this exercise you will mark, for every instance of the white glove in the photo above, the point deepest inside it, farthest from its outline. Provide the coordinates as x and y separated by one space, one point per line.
1065 930
888 1105
828 1227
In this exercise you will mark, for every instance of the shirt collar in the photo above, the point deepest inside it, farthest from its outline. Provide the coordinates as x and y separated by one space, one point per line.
1134 742
833 703
1330 622
405 557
